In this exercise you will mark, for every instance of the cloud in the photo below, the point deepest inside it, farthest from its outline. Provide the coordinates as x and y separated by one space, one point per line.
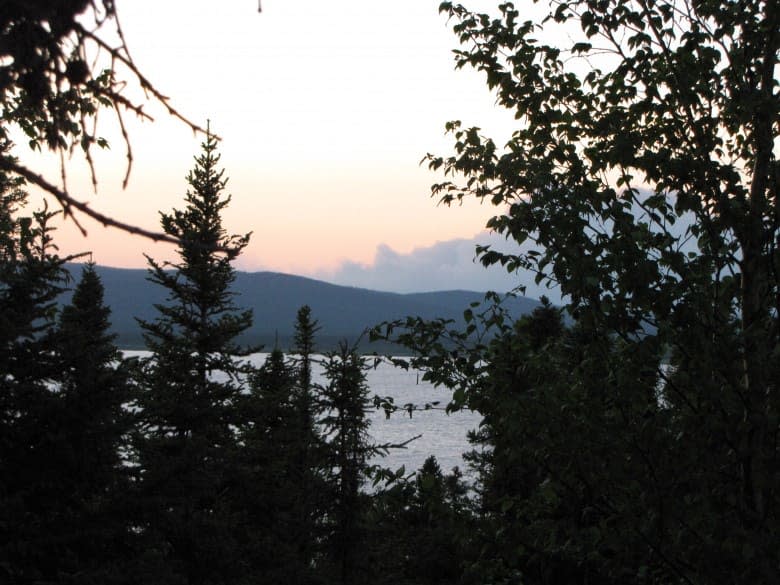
451 264
447 265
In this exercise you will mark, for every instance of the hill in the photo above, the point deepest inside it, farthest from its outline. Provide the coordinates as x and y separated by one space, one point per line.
343 312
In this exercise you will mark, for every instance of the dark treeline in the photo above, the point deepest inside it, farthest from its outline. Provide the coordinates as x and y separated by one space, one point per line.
634 441
600 459
192 466
156 470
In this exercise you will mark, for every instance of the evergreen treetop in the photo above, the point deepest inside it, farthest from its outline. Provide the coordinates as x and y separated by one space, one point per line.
191 390
202 315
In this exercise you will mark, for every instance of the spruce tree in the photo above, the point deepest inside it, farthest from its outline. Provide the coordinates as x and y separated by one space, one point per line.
283 483
437 522
344 403
31 278
305 330
91 429
268 484
190 390
308 453
417 528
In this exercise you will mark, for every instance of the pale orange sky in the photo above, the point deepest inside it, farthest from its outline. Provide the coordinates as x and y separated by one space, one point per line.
325 110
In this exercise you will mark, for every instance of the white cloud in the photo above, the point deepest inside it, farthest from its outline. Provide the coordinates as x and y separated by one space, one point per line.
451 264
447 265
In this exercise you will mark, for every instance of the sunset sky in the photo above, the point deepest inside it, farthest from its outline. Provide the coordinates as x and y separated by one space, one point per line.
325 110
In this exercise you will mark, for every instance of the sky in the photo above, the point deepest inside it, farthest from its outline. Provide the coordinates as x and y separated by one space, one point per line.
324 110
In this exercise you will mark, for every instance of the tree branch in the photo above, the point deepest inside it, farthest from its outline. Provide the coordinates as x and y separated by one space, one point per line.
69 204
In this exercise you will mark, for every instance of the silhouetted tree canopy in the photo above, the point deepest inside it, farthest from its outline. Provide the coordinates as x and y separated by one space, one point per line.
62 63
641 180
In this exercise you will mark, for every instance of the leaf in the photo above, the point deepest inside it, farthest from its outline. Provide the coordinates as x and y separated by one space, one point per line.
581 47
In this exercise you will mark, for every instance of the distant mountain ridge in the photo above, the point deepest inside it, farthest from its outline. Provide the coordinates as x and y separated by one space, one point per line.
343 312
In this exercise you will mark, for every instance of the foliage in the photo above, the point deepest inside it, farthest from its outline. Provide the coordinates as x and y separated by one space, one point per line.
31 277
344 402
268 492
635 440
60 68
308 466
190 389
282 479
642 182
573 177
204 319
47 87
90 428
418 529
305 330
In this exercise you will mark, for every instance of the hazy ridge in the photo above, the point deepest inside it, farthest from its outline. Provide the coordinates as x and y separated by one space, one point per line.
343 312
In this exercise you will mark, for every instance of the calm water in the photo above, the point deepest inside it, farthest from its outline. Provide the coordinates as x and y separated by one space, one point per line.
442 435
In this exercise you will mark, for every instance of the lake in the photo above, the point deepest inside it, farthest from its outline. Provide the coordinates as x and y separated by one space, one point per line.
442 434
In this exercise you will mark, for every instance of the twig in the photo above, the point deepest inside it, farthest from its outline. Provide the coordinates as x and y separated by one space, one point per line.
388 446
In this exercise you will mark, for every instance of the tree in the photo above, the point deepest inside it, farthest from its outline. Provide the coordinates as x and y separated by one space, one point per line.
641 181
191 388
344 403
308 453
547 414
438 525
305 330
31 278
269 494
283 482
91 428
417 529
52 93
286 496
